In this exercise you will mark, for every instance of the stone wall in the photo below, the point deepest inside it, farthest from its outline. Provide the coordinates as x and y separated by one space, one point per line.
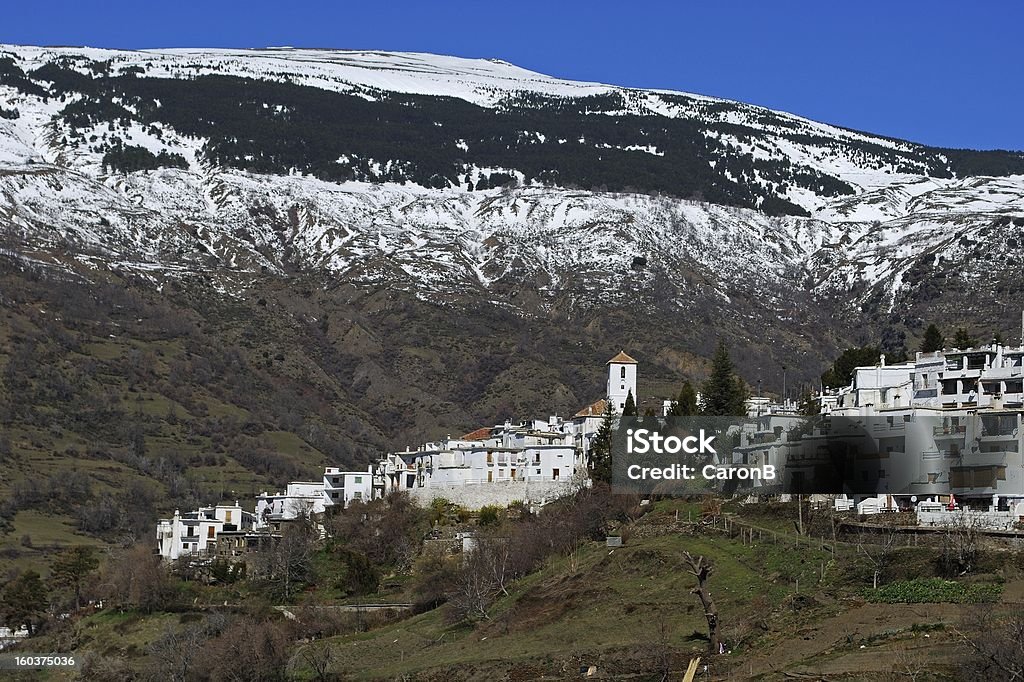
500 493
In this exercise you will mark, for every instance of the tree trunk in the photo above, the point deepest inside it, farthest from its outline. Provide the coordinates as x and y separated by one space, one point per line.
701 569
711 613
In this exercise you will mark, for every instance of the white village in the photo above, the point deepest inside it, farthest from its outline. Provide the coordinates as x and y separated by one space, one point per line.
947 426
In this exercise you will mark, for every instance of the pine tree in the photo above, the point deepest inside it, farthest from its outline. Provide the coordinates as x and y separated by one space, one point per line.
629 409
897 355
601 447
686 404
24 602
963 340
841 372
933 340
724 392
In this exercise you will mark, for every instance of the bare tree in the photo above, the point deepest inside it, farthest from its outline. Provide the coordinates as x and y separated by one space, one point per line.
174 653
495 556
248 650
908 664
475 588
318 656
135 578
701 569
288 563
961 546
997 646
880 555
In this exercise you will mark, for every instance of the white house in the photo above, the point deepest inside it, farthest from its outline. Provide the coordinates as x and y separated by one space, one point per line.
344 487
194 533
300 498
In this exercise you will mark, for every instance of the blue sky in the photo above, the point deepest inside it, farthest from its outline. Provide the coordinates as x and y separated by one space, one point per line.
938 72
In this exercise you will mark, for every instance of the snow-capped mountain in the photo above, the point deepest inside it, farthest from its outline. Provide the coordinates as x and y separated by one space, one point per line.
450 177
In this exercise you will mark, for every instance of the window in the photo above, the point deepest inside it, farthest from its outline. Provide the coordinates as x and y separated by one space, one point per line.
622 374
210 532
227 516
359 479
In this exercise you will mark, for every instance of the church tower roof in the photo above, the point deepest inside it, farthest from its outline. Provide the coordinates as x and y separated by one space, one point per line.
622 359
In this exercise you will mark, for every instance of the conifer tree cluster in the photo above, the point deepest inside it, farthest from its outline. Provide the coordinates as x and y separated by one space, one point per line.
724 393
933 340
601 447
685 404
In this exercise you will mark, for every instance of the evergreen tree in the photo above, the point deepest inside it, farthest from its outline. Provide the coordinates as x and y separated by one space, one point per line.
685 405
601 447
24 602
897 355
962 339
724 392
629 409
72 567
933 340
841 372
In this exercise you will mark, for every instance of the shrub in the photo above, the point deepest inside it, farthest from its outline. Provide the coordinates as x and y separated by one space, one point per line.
934 590
490 515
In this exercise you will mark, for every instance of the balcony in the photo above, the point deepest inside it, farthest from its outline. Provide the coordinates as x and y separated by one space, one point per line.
952 430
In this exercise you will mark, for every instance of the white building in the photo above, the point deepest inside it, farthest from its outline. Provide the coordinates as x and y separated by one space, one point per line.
621 381
944 422
503 453
991 376
544 455
195 533
300 498
344 487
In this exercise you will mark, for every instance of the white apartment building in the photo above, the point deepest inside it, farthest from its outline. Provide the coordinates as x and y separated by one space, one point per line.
300 498
195 533
991 376
524 452
956 412
344 487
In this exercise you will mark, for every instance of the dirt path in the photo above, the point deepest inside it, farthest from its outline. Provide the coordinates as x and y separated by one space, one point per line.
833 646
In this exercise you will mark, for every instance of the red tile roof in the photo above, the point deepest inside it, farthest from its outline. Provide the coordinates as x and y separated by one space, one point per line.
593 410
622 359
482 433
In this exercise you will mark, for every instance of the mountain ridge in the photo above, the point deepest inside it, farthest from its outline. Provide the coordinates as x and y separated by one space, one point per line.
227 162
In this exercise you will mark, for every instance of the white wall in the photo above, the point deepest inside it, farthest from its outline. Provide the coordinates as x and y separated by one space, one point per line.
620 386
501 494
